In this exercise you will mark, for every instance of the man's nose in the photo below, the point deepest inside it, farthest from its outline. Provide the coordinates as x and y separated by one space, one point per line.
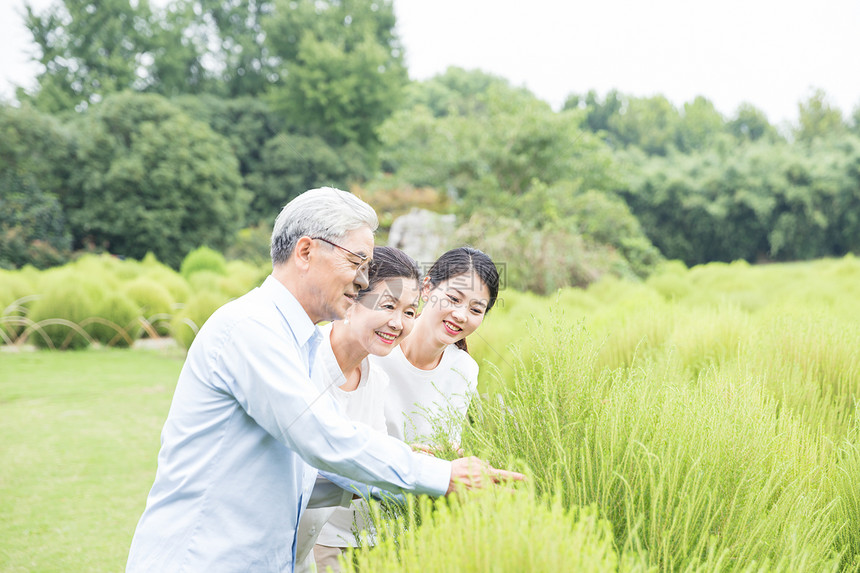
361 278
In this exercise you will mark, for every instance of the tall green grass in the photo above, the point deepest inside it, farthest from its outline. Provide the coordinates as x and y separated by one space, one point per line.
492 530
708 414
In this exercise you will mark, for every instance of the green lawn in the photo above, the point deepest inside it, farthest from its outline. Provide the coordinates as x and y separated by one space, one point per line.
80 435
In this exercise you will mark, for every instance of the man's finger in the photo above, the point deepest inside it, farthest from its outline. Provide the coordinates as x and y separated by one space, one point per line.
505 475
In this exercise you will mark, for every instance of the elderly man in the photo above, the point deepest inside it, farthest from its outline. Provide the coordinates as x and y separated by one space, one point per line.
247 426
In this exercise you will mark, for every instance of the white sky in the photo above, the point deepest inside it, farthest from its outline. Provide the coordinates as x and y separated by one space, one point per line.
770 53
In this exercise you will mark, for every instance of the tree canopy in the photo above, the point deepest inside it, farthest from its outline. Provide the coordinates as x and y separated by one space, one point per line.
164 128
150 178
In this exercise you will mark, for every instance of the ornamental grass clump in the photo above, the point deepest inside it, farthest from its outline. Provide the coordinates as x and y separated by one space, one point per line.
15 295
187 322
203 259
66 298
702 469
493 530
175 284
846 491
116 320
154 302
810 361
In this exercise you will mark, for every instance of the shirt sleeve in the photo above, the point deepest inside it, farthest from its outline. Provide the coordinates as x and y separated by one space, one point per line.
269 379
361 489
328 495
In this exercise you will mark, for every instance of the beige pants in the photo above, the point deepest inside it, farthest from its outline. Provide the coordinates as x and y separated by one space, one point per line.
327 557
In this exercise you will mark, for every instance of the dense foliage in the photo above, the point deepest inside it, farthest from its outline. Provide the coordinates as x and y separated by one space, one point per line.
300 94
103 300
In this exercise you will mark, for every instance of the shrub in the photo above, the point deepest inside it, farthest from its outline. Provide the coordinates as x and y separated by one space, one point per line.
13 288
115 320
244 276
177 286
206 281
65 296
154 302
197 310
203 259
252 244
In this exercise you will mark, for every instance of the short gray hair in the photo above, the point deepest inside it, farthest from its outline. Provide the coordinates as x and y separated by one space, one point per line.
326 212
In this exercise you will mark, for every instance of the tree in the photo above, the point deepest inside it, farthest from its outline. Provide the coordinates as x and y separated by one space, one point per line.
699 126
458 92
648 123
36 148
855 120
91 49
818 118
598 113
248 123
508 139
229 36
149 178
32 224
751 124
341 64
761 201
292 164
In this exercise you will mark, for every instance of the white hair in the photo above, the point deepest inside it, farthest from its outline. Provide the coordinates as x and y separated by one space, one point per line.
327 213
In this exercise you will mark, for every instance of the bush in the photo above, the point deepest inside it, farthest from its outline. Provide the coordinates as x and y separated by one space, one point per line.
243 276
252 244
13 287
120 313
197 310
203 259
541 260
172 281
65 296
206 281
154 302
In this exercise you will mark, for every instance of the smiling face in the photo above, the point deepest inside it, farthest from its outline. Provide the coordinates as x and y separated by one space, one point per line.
454 308
385 315
335 276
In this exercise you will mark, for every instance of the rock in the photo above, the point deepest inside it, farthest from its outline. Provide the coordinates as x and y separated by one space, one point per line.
423 235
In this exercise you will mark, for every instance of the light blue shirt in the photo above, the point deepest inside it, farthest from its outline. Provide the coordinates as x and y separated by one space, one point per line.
245 423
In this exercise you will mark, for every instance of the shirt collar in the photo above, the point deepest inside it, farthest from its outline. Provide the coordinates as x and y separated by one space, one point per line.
304 330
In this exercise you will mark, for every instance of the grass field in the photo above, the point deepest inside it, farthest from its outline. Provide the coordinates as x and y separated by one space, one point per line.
78 455
702 420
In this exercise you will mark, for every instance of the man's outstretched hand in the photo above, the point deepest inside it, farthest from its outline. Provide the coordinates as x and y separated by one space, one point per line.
473 473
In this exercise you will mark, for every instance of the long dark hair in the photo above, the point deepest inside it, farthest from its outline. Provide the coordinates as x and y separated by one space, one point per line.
389 263
463 260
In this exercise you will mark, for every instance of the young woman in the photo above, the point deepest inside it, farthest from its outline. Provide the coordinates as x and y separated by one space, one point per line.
432 377
383 315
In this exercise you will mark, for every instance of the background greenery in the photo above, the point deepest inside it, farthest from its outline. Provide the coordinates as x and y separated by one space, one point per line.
165 129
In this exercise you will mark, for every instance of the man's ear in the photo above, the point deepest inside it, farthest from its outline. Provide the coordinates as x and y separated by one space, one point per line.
302 252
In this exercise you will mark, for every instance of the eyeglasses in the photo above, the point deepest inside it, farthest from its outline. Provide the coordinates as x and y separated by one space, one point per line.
364 262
